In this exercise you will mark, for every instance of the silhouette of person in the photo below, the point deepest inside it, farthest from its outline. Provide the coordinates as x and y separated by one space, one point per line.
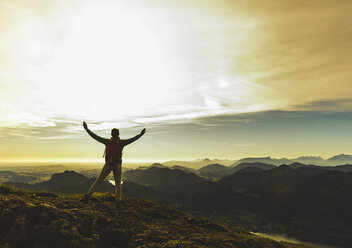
112 163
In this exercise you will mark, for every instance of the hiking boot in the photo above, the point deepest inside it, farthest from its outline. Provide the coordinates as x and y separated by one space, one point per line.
85 199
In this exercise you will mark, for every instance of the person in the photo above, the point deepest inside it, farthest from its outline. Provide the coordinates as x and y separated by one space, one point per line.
113 160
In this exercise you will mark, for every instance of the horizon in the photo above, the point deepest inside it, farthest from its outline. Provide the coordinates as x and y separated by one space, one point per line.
217 79
133 164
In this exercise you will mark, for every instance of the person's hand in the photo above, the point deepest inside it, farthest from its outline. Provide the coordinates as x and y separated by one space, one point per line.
143 131
85 125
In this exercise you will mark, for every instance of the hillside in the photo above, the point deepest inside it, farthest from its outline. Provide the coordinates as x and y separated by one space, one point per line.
68 182
258 165
39 219
340 159
6 176
213 171
162 177
308 203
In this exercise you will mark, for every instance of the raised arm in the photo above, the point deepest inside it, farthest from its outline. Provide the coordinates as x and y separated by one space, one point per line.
129 141
93 135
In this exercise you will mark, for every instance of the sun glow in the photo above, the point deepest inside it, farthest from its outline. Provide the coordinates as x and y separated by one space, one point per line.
108 64
108 61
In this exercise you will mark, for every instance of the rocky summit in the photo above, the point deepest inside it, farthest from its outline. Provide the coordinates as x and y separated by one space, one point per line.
43 219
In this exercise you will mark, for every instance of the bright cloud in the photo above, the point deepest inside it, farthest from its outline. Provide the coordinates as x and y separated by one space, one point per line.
104 61
129 64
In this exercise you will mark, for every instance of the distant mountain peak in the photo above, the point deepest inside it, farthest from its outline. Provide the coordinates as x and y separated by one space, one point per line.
267 160
268 157
213 167
67 173
154 165
296 163
341 157
66 178
310 157
284 166
158 165
282 170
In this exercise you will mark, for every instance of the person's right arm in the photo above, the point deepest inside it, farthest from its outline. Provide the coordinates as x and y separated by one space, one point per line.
93 135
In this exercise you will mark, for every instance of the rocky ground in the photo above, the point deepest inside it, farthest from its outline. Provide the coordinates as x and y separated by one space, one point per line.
43 219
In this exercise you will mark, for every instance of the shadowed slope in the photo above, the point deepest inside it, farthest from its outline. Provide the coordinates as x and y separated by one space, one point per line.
162 177
29 219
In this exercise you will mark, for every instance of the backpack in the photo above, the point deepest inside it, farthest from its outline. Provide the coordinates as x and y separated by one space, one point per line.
112 151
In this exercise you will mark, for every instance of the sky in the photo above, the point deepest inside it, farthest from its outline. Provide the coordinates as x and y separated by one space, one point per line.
217 79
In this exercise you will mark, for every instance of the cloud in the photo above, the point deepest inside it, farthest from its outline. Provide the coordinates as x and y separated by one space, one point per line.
216 144
158 132
219 58
58 129
328 105
164 143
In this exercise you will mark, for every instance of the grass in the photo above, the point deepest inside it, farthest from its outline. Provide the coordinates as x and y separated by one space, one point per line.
9 189
53 220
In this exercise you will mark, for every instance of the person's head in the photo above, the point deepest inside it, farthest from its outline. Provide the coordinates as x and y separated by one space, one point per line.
115 132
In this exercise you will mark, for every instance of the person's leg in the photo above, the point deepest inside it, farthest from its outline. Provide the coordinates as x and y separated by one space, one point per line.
103 174
117 170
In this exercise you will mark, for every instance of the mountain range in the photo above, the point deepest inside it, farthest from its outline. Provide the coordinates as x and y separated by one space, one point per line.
340 159
309 202
217 171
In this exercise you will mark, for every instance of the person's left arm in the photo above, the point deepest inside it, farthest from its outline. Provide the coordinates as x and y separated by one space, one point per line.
133 139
